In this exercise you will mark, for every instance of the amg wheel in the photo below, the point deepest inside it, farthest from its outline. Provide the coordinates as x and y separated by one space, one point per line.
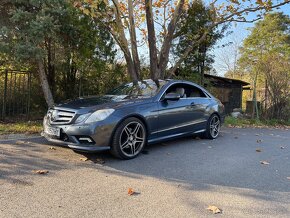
129 139
213 127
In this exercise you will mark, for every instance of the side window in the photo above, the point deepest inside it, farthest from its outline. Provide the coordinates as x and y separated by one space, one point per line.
186 91
177 88
194 92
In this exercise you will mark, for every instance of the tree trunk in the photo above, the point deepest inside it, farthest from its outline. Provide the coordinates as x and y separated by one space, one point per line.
255 105
51 65
134 48
154 71
44 84
123 43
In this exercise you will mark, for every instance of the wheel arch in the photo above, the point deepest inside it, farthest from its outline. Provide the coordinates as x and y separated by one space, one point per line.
138 116
215 112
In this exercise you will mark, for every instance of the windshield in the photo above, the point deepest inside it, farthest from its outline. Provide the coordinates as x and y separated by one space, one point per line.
145 88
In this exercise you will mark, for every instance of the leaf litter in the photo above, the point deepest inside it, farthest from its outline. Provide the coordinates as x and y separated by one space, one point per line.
214 209
132 192
264 162
84 159
41 172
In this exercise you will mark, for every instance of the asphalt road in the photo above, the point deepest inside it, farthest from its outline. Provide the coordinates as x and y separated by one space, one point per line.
180 178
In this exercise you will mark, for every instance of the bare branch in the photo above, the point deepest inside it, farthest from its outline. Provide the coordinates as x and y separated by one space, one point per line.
164 54
254 9
186 53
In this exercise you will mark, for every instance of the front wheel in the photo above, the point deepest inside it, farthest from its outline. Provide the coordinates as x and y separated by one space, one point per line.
213 127
129 139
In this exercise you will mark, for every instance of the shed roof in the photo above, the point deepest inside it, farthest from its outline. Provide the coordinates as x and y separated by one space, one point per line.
227 80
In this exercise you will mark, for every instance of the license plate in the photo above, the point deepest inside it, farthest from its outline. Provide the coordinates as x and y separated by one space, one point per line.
52 131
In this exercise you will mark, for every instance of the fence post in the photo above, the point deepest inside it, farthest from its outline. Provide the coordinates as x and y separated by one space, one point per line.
29 94
5 95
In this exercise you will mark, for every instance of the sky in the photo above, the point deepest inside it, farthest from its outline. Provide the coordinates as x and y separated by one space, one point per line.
227 54
224 56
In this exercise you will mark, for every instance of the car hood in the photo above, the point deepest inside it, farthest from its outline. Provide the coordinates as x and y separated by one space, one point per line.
92 103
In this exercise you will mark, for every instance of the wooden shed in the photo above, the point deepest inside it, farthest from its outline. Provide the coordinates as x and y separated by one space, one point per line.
228 91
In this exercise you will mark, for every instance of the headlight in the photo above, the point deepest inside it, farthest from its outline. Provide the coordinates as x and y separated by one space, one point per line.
99 115
82 118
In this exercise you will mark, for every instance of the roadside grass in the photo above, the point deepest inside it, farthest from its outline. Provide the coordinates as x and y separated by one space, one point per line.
247 122
30 127
34 127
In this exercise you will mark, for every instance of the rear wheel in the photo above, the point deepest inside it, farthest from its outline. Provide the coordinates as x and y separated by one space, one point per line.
213 127
129 139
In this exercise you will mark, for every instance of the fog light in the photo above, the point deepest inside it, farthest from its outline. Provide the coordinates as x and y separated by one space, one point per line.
85 140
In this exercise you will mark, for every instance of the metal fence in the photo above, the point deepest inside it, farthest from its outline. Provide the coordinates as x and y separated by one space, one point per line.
15 88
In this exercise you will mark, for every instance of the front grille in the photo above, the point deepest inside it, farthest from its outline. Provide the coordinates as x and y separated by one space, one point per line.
60 116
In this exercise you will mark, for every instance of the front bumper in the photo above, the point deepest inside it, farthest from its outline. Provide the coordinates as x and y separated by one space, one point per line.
100 133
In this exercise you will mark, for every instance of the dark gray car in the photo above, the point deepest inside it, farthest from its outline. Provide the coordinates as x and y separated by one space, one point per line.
130 116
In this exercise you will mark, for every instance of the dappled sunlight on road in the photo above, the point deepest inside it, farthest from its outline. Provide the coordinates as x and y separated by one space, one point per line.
181 177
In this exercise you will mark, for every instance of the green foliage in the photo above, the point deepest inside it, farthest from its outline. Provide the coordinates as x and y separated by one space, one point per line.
265 58
245 122
77 52
191 27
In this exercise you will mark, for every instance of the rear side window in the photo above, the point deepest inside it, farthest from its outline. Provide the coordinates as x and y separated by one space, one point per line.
186 91
194 92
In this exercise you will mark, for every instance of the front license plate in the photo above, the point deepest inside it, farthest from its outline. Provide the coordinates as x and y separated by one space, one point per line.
52 131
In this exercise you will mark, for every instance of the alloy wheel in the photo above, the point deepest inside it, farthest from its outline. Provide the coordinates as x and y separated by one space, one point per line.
215 126
132 139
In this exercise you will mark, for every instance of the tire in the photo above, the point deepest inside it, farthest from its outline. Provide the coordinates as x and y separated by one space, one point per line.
212 127
129 139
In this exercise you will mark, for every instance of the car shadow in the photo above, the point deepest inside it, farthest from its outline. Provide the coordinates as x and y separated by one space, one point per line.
196 164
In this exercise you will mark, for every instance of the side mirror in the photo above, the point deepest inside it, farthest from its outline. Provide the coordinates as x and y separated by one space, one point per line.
172 96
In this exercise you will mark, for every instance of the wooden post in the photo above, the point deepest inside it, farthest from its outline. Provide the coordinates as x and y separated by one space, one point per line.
5 95
29 93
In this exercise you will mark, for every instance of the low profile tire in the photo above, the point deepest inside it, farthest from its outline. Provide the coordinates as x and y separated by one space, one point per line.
213 127
129 139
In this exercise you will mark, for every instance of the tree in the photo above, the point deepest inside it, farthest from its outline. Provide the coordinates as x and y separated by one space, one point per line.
229 54
55 38
29 24
265 55
191 26
122 18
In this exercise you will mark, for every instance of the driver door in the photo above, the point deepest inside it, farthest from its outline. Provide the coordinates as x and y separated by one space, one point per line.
174 116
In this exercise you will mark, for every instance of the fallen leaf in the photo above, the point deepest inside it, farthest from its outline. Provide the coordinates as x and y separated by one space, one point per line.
258 150
84 159
52 148
259 141
40 171
214 209
19 142
264 162
130 191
